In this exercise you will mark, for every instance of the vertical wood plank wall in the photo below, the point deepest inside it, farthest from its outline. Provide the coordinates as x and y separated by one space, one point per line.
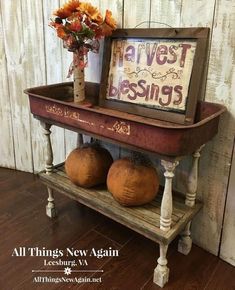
227 251
31 55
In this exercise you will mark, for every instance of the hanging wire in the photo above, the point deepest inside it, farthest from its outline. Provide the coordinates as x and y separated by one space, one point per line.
162 23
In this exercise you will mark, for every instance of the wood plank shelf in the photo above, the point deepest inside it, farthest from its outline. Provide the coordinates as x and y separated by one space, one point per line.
142 219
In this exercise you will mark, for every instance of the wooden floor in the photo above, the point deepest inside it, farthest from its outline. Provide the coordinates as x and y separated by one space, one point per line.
23 223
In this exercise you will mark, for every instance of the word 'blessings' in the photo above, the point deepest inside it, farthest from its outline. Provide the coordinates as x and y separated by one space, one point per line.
155 73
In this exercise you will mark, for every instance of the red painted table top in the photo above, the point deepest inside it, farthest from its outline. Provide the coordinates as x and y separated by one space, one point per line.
53 104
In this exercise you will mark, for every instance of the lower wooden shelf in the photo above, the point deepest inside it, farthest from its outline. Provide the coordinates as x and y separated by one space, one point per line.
142 219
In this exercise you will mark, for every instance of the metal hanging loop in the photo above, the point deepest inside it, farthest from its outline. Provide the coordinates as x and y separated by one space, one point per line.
152 22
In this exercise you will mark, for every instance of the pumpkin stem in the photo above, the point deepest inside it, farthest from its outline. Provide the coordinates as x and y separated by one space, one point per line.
93 144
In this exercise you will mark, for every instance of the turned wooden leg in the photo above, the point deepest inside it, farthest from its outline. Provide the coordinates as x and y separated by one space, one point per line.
161 272
166 205
185 241
49 153
193 179
50 208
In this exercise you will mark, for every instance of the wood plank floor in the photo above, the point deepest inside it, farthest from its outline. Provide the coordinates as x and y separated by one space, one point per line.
23 223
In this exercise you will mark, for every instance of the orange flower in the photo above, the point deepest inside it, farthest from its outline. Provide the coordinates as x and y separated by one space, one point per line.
76 22
110 20
91 11
98 18
62 13
72 5
60 32
106 30
67 9
75 26
75 16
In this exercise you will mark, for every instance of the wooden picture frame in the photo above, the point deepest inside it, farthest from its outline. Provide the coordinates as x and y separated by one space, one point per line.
168 65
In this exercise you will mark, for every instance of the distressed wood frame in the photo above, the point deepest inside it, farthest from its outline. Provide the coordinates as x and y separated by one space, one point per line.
197 82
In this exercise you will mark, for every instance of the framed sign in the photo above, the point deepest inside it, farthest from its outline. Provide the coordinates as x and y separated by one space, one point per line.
157 73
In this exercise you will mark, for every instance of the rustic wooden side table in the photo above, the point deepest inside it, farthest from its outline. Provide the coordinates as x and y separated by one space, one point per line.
170 214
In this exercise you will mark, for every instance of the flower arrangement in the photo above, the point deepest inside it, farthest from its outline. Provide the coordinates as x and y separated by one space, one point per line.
80 26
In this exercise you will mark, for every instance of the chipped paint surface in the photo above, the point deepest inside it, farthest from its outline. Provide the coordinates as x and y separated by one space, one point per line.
31 55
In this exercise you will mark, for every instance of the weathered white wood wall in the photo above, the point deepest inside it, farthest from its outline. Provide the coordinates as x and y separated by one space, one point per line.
227 251
31 55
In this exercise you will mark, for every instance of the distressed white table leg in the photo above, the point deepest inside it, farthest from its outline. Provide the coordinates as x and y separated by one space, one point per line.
193 179
185 242
161 272
166 204
50 208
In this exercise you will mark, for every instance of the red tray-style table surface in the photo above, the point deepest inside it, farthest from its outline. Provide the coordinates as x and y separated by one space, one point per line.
55 104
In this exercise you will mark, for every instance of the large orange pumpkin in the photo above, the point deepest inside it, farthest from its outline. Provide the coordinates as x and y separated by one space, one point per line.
88 166
132 184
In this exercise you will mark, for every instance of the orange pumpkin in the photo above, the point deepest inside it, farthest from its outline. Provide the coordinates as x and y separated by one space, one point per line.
132 184
88 166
